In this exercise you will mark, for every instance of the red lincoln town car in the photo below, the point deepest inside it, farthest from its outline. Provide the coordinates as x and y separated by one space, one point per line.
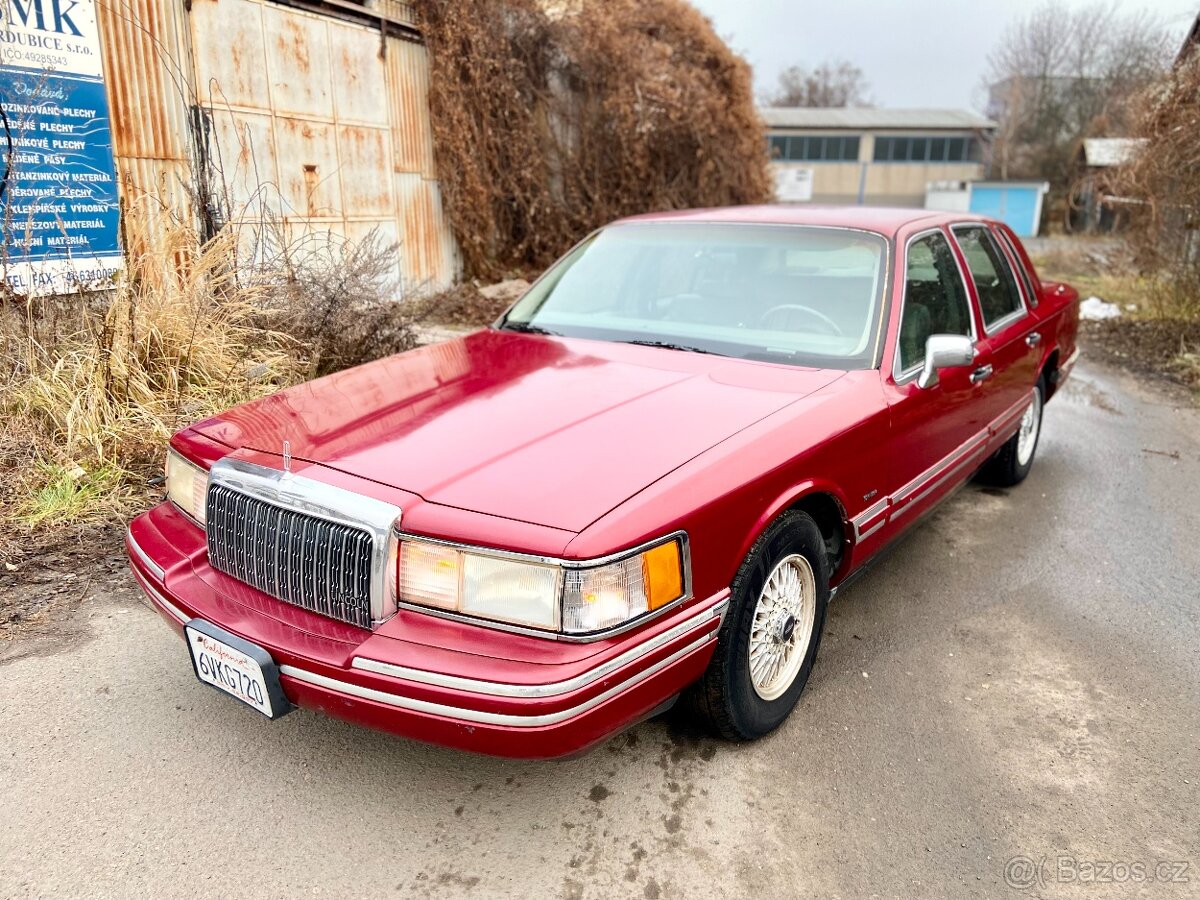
646 480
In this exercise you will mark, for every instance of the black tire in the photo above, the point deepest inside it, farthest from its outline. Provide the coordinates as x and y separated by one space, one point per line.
725 697
1005 468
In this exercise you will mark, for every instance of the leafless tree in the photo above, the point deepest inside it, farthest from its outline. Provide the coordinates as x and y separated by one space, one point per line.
1060 74
836 83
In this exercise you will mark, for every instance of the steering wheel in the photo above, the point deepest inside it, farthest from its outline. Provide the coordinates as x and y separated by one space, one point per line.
828 325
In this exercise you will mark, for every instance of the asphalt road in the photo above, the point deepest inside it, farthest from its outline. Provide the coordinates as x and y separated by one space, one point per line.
1021 678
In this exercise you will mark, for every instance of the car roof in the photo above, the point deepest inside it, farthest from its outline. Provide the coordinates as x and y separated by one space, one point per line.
885 220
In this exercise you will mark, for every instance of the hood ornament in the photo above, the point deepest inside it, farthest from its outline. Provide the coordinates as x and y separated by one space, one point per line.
287 457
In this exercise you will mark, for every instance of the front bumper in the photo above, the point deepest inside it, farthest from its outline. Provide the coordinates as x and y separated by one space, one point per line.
425 678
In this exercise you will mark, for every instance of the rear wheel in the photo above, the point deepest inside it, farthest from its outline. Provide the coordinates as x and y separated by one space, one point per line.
769 640
1013 461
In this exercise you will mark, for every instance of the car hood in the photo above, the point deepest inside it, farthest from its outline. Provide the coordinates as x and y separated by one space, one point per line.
551 431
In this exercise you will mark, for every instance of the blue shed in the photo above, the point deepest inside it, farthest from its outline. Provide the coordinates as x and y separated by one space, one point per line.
1018 204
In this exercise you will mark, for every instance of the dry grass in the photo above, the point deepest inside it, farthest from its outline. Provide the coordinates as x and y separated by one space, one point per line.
95 384
1159 328
1106 268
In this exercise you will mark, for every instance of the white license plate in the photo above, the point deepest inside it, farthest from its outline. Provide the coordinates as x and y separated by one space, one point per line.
236 667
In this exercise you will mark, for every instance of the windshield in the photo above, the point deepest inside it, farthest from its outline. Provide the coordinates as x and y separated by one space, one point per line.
796 294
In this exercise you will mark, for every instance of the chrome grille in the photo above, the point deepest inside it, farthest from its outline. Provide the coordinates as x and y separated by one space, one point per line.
300 559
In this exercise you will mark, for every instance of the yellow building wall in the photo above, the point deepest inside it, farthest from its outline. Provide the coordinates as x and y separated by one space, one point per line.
884 183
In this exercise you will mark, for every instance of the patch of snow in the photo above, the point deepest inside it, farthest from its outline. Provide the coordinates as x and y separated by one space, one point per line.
1095 308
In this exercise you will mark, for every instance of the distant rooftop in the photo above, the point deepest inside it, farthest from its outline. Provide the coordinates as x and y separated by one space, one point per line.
866 117
1105 152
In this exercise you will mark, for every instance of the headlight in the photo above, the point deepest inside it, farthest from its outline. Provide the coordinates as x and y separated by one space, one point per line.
187 485
607 596
549 596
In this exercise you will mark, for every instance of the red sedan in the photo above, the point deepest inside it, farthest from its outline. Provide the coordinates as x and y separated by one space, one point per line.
647 480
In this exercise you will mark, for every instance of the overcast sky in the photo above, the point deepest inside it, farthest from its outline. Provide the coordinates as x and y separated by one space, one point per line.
913 54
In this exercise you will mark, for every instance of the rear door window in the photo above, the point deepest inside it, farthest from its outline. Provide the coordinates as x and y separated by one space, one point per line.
995 283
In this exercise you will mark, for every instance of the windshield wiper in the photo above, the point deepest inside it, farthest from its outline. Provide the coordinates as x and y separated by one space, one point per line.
526 328
667 345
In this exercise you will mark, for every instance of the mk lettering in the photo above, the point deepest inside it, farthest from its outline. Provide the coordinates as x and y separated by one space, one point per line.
59 15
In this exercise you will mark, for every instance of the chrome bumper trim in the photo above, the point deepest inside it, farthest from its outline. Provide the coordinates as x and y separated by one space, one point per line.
156 597
150 564
486 718
501 689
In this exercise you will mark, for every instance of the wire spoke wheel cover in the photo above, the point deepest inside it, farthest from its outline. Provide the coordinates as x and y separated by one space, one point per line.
1031 423
784 617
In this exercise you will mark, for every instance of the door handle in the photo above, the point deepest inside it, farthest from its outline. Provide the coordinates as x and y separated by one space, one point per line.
1032 339
981 374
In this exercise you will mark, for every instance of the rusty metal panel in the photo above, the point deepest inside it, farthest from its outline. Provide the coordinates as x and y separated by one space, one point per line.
243 162
309 176
147 67
427 251
163 183
311 117
298 64
447 265
364 158
394 10
147 63
357 58
385 235
407 76
231 58
155 196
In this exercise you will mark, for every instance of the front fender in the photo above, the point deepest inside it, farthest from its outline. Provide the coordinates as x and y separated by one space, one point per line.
792 497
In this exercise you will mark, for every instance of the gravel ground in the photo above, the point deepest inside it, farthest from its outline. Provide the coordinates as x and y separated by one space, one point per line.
1018 680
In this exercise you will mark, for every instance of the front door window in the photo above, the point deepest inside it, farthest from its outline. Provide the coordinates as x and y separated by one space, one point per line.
935 298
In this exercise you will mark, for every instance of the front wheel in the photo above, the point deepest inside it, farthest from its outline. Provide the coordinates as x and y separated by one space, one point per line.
769 640
1013 461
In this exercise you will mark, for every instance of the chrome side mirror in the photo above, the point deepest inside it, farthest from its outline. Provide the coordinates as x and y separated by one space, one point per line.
945 351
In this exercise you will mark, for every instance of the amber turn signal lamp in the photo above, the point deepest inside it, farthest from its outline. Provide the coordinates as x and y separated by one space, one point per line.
662 574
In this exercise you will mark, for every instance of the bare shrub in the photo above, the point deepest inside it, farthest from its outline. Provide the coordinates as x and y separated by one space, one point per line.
1162 187
545 128
333 296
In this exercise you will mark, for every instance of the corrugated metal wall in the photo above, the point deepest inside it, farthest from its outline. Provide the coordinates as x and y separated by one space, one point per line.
318 124
428 242
148 70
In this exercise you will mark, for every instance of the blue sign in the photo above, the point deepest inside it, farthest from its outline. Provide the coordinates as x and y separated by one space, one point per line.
58 195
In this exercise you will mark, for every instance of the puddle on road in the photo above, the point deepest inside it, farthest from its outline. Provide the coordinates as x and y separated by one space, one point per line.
1087 393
